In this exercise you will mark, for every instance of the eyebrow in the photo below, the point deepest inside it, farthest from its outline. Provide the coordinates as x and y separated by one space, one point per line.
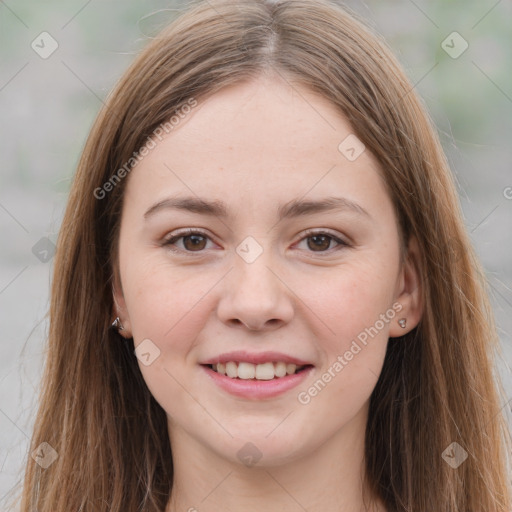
291 209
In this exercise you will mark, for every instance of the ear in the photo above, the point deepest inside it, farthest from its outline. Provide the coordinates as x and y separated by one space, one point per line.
119 308
409 292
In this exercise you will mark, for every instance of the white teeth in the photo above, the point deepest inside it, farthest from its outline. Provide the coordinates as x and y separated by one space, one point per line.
232 370
280 369
247 371
290 368
265 371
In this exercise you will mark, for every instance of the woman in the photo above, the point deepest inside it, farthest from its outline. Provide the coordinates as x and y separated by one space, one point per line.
264 296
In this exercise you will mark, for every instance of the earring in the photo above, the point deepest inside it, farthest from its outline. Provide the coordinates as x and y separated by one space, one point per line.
117 324
402 323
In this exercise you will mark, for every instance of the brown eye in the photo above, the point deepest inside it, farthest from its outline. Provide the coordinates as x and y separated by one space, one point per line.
321 241
193 241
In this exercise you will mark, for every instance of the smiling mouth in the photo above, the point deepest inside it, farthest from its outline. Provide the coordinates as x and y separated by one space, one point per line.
248 371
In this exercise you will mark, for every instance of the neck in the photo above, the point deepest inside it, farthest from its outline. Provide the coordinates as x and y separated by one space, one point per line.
315 478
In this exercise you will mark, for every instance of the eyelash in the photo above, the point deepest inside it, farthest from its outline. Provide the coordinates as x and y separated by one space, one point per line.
308 234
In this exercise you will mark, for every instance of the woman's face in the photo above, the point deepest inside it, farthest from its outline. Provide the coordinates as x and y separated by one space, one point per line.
255 280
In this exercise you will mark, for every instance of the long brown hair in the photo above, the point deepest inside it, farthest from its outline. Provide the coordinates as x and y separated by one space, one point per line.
437 385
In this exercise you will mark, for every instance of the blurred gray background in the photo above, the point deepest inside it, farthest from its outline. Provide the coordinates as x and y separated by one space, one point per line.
49 101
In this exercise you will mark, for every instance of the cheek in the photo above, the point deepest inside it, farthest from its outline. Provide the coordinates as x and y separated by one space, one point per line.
350 299
352 340
165 303
169 307
353 307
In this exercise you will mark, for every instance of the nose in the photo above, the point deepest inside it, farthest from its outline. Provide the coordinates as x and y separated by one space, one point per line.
255 295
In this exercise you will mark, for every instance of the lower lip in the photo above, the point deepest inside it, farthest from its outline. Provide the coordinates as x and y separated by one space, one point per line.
257 389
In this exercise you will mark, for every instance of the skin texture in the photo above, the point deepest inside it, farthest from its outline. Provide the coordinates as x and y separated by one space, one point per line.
255 146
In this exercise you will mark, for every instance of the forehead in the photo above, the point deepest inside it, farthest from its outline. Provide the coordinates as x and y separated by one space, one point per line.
261 139
289 120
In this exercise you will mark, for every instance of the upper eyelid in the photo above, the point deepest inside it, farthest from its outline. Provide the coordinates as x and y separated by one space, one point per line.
186 232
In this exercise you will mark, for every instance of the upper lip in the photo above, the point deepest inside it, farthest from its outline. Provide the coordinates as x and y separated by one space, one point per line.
255 358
